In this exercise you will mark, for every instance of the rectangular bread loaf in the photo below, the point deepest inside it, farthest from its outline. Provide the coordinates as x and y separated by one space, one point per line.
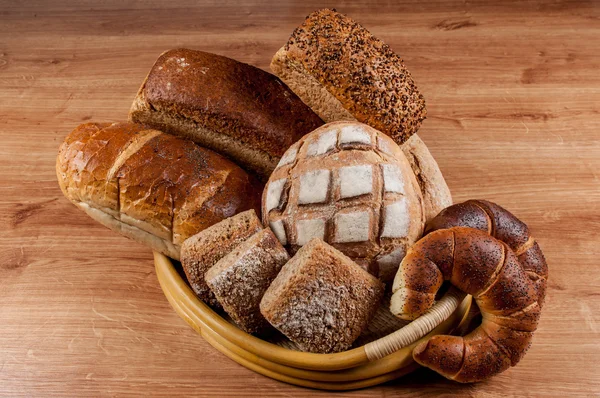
152 187
231 107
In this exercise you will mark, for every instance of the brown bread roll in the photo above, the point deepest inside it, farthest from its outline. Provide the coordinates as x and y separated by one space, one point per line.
503 225
152 187
486 268
233 108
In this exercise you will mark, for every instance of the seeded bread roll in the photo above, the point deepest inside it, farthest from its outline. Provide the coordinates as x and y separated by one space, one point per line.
231 107
321 299
240 279
206 248
152 187
341 70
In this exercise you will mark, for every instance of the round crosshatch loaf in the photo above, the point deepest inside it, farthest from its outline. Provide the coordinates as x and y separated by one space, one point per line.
352 186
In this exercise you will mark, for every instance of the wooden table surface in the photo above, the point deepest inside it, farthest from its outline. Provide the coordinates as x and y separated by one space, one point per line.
513 94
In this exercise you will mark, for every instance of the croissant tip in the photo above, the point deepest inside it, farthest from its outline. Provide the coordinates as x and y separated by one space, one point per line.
419 349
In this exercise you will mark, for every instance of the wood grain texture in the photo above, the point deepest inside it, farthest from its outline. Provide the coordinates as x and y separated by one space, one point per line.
513 94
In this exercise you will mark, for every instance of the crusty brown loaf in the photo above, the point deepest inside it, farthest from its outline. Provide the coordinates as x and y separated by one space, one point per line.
231 107
149 186
206 248
358 69
240 279
435 191
503 225
350 185
321 300
485 267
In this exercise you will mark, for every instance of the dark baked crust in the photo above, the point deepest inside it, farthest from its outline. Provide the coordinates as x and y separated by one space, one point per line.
361 71
230 97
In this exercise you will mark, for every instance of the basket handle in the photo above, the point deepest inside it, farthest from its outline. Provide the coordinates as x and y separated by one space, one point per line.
416 329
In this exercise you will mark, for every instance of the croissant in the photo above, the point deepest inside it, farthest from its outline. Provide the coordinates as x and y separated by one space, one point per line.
485 267
502 225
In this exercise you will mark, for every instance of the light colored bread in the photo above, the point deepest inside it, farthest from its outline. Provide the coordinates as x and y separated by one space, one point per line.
352 186
240 279
206 248
435 191
234 108
149 186
321 299
361 72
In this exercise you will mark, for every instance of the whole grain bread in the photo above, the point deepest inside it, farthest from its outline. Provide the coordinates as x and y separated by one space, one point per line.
206 248
231 107
340 69
321 299
240 279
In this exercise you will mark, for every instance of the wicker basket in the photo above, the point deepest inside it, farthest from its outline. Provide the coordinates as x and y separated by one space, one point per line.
381 354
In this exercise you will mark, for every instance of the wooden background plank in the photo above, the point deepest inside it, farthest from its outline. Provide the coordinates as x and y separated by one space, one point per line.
513 94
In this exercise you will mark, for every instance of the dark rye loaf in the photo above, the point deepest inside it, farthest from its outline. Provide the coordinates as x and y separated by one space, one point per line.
231 107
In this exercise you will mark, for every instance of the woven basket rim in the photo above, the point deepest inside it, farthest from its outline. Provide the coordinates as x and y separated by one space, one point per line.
207 321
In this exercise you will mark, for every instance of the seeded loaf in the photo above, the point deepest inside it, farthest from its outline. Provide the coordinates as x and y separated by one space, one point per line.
206 248
321 299
152 187
228 106
351 186
311 74
240 279
341 70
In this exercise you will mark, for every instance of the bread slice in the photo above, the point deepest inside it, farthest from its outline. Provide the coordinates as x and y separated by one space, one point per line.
205 249
321 300
240 279
330 58
228 106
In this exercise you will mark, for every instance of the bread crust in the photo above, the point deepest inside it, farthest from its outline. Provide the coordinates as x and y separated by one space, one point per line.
194 93
334 188
203 250
485 267
321 300
153 182
361 71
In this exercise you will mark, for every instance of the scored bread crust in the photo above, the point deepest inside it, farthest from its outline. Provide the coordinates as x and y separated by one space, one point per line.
359 70
231 107
153 187
383 221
